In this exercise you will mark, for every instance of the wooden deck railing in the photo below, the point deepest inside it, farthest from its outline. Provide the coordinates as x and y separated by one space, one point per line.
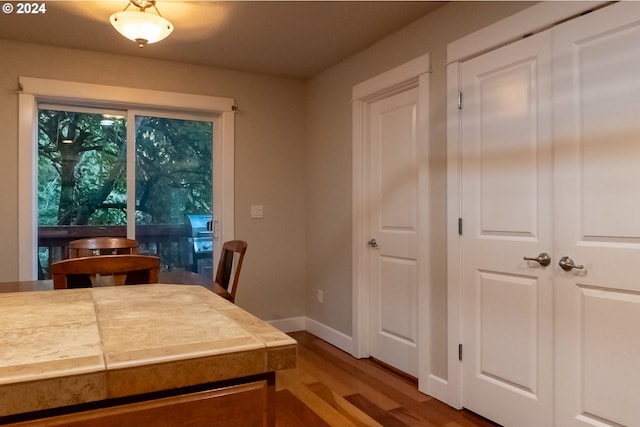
170 242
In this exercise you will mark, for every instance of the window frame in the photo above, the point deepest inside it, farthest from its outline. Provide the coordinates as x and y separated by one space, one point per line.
34 91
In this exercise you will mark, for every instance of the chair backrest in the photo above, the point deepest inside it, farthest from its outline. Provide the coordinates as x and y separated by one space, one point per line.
230 264
126 269
102 246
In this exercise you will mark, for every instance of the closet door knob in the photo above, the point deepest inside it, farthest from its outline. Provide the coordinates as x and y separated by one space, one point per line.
567 264
543 259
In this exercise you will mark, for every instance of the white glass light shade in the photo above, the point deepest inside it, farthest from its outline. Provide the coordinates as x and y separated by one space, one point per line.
141 27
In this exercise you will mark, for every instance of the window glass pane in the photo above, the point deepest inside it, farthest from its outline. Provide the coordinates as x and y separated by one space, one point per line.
81 177
173 185
82 184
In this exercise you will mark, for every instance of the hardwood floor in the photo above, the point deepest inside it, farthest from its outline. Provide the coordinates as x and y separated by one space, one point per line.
330 388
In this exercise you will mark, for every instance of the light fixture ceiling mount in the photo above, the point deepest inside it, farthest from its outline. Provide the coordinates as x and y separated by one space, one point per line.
139 26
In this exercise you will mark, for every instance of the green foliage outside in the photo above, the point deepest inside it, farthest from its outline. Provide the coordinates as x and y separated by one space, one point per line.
82 169
82 173
173 169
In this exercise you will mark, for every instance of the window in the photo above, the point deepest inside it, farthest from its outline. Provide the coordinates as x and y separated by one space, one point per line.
102 164
81 166
173 183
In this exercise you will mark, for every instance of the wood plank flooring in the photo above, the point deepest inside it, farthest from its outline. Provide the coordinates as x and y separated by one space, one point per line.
330 388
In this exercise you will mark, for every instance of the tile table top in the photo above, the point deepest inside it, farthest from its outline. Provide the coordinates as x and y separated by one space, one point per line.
78 345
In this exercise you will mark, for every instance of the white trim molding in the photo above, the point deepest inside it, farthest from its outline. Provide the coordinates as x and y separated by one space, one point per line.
291 324
27 188
454 244
390 80
47 89
529 21
332 336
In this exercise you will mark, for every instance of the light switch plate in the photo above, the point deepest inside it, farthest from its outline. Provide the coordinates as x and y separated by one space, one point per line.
257 211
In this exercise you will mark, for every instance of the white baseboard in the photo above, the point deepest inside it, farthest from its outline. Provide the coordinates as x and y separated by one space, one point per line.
332 336
291 324
437 387
328 334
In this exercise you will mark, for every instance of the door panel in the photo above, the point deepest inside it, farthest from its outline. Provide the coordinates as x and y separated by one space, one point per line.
508 320
597 130
394 218
609 351
398 279
508 144
506 184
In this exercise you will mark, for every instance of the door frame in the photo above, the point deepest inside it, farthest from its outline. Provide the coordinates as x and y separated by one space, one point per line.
413 74
531 20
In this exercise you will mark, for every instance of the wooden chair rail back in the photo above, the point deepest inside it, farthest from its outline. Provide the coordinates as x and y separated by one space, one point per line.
127 269
102 246
230 264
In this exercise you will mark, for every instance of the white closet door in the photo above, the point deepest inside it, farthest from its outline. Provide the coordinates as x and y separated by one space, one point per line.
597 201
506 211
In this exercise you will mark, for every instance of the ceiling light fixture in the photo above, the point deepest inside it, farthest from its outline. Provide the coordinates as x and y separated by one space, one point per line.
141 27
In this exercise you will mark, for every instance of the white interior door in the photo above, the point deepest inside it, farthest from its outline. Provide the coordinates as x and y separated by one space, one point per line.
506 210
393 166
595 223
597 175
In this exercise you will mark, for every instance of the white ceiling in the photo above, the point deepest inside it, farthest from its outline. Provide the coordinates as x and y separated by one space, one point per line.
296 39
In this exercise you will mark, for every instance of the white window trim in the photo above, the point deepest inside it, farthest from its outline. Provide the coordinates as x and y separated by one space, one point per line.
35 90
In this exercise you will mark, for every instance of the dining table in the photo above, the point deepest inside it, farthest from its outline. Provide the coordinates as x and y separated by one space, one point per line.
176 276
163 354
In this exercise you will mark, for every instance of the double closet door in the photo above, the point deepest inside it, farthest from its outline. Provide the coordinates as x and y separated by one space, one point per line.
550 193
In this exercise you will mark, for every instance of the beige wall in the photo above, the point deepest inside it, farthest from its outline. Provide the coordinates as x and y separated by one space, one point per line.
329 161
269 158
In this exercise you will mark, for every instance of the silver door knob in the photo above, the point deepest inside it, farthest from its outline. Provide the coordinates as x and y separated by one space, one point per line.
372 243
567 264
543 259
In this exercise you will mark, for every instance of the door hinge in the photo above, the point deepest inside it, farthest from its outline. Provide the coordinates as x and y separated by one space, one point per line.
460 226
460 352
459 100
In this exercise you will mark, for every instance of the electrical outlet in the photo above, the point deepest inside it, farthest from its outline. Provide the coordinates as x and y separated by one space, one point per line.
320 296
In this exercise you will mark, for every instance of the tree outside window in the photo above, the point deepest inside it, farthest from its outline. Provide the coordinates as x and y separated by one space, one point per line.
82 178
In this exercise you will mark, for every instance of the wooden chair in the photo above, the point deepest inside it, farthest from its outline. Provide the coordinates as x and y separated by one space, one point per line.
127 269
102 246
230 264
